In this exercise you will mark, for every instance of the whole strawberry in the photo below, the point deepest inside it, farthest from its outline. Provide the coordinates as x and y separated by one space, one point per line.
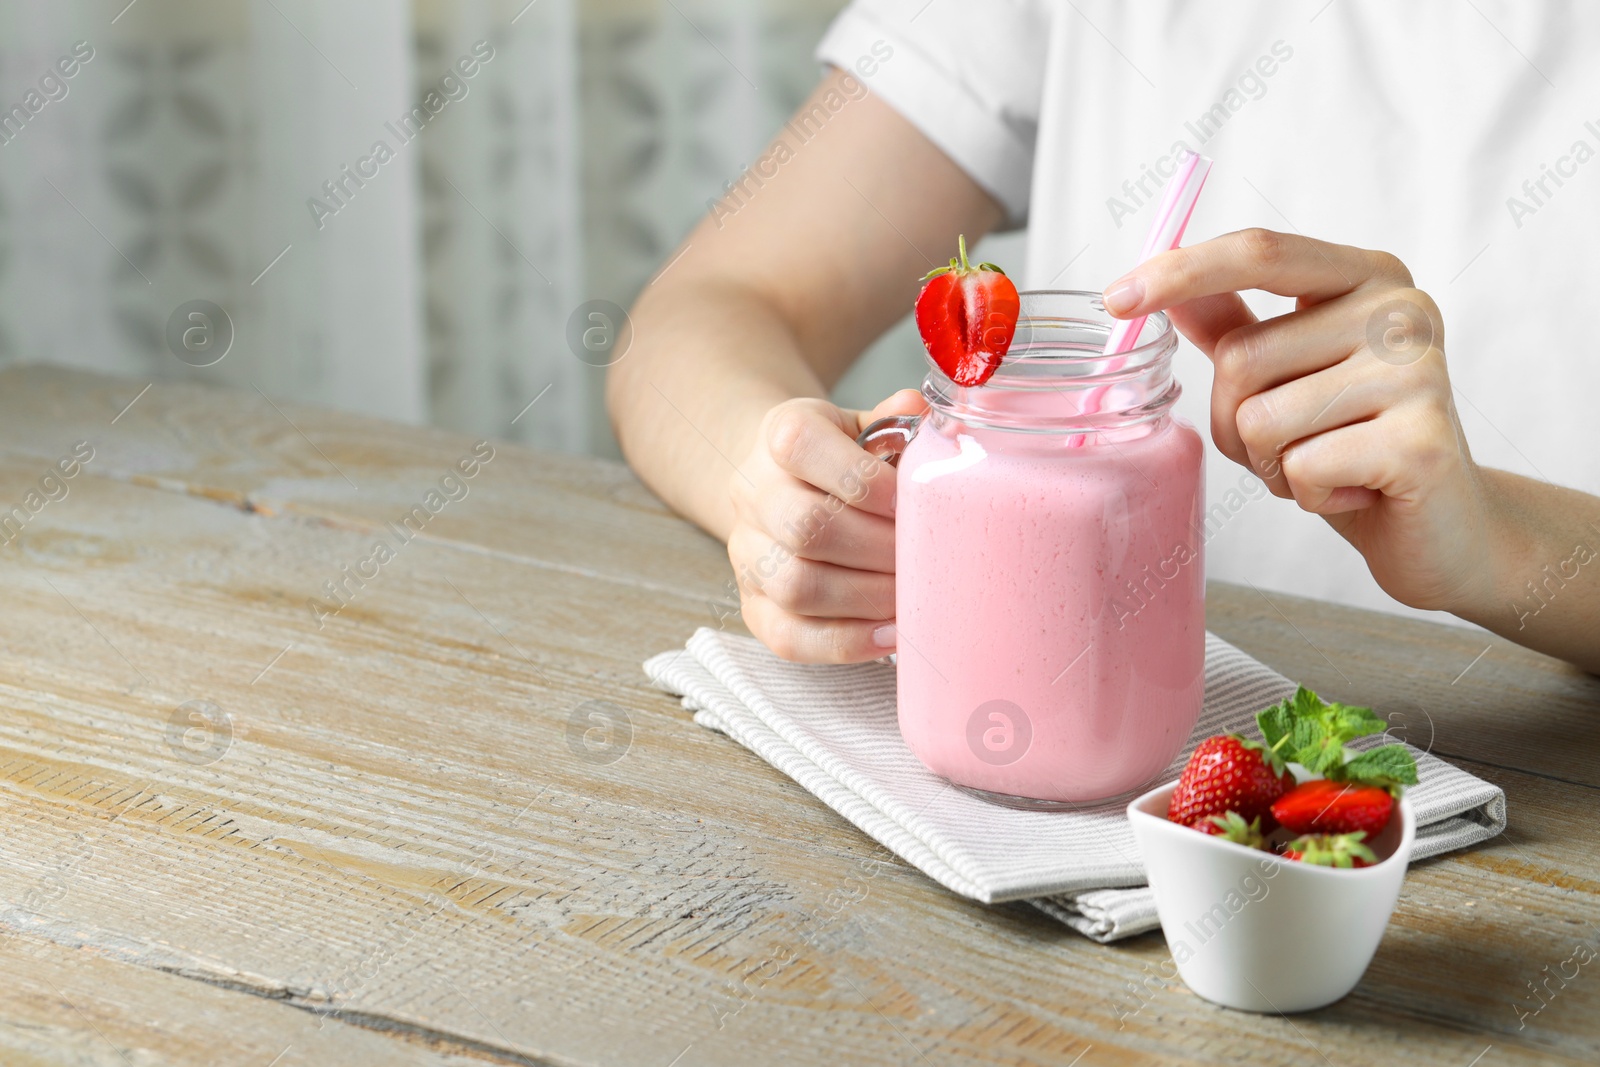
1227 773
1321 806
967 316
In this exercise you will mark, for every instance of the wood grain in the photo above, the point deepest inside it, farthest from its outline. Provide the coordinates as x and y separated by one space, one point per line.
74 1006
401 826
240 448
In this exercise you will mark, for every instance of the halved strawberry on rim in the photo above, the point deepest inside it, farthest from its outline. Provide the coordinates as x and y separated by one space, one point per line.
967 316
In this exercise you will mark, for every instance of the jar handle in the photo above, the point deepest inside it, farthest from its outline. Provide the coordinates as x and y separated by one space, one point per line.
887 438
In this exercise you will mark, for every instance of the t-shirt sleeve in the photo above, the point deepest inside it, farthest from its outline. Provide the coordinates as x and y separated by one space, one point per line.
969 75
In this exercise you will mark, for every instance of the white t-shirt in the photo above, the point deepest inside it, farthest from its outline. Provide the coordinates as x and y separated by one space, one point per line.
1464 138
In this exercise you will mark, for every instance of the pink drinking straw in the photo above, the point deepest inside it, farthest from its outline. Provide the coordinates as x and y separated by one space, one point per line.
1177 204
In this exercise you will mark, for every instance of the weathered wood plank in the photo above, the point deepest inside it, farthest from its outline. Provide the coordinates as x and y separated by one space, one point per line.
584 516
62 1007
401 828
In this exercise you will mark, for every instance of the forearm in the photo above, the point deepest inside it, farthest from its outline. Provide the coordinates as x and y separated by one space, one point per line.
708 360
1546 565
776 293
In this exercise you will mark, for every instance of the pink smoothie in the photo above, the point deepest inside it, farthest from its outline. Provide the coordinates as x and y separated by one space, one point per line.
1050 606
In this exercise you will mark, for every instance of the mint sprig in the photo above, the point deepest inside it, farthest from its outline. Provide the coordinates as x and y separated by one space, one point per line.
1305 729
1388 766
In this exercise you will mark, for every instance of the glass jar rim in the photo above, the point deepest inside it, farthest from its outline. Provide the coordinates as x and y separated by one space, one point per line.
1062 335
1074 359
1036 361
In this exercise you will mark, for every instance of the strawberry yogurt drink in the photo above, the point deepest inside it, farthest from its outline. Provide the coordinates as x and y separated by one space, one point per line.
1050 587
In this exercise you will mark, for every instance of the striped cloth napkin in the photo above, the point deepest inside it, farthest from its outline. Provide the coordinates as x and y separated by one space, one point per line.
833 730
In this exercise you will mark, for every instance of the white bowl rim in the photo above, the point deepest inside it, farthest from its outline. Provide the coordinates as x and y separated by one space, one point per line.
1402 848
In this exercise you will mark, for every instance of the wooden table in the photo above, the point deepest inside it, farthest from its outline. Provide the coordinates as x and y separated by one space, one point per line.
452 823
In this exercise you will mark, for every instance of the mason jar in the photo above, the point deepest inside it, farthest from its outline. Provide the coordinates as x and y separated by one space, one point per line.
1050 585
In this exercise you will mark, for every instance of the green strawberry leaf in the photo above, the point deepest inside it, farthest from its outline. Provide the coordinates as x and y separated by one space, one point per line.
1235 829
1333 850
1274 760
1387 766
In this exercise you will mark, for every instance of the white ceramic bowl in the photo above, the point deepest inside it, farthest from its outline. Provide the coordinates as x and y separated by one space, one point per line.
1251 930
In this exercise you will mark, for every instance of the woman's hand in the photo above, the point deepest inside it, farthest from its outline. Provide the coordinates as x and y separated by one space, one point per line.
1343 404
812 544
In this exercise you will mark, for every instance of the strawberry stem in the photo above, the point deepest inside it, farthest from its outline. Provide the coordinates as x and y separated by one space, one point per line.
960 264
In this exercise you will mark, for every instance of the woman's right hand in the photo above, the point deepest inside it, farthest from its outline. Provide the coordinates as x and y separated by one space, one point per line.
812 545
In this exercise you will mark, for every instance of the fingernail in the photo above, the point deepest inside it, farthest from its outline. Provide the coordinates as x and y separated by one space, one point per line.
1124 295
883 636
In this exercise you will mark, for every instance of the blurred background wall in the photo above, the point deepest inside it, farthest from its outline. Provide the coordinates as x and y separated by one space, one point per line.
187 157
